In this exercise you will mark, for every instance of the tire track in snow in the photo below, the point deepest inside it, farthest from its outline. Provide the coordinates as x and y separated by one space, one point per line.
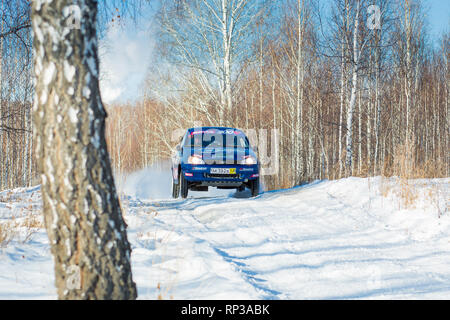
248 275
316 241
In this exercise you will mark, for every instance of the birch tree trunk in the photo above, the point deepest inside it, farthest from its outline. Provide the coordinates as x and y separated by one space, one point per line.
446 53
359 134
82 212
351 107
1 104
408 73
377 101
227 33
300 79
343 89
341 108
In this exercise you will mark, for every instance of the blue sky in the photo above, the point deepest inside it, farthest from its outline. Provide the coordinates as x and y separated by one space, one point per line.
127 51
438 17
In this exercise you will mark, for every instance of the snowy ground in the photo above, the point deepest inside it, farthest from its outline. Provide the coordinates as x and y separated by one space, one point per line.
345 239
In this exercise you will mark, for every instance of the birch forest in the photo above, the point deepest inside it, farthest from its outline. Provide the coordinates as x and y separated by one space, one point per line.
352 88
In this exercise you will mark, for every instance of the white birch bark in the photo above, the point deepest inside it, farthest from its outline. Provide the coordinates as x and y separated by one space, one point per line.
351 106
1 107
81 208
299 168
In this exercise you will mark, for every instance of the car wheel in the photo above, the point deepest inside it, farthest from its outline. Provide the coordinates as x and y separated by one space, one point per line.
183 186
176 188
254 187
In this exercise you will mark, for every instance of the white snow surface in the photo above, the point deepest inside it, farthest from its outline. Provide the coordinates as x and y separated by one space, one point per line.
338 239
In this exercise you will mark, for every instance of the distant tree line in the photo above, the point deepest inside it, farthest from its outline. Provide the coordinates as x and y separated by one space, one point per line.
16 93
348 92
17 158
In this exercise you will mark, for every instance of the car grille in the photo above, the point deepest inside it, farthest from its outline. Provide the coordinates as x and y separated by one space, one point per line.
218 161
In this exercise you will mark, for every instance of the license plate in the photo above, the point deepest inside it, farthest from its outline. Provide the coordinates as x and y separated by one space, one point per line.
223 170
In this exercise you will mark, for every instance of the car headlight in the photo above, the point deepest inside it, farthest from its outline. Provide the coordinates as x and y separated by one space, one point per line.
249 160
195 159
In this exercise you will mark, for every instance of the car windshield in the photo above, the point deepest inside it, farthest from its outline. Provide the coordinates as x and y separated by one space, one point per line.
216 139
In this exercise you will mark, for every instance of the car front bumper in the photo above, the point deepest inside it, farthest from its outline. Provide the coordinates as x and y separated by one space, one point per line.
202 174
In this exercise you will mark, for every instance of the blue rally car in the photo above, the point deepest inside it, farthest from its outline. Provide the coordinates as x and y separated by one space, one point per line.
214 157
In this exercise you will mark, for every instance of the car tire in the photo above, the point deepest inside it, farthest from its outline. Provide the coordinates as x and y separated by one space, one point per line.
176 188
254 187
183 186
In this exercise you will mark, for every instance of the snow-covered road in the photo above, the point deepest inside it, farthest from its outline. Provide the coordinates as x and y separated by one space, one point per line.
326 240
